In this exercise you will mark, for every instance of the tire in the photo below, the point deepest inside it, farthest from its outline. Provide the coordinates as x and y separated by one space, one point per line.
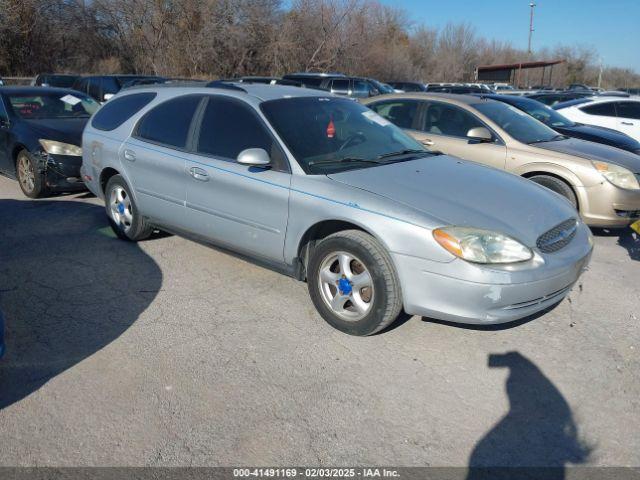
558 186
358 311
123 214
32 183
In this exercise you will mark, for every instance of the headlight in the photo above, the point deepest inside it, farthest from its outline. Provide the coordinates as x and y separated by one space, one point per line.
619 176
481 246
59 148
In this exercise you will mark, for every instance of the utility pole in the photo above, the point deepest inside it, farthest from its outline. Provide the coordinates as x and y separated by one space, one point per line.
532 6
600 74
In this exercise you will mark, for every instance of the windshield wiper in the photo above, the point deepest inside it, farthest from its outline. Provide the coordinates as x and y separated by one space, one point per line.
406 151
552 139
343 160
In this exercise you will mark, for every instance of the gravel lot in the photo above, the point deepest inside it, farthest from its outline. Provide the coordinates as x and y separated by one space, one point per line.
169 352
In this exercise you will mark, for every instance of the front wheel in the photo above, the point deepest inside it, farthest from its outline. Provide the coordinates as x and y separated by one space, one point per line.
558 186
124 217
353 284
32 182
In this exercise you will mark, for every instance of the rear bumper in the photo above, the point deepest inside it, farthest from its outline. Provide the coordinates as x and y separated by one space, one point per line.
448 292
605 205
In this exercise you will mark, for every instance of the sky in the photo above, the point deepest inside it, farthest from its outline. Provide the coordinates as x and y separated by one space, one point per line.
612 27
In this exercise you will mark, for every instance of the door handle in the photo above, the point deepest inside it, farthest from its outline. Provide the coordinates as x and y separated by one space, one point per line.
130 155
627 123
427 142
199 174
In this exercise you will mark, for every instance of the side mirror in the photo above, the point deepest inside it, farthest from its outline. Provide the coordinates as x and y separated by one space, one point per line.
480 134
256 157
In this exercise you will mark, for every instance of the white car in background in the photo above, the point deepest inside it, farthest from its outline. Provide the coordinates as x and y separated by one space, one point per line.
622 114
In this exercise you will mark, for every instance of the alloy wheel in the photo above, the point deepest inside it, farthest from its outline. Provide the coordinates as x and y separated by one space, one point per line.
346 286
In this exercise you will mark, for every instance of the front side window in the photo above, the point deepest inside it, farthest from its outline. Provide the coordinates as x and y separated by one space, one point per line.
228 127
3 111
403 113
95 88
606 109
52 105
119 110
361 89
444 119
328 134
516 123
169 123
628 110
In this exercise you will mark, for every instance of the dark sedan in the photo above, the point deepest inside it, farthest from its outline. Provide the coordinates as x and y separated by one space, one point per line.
563 125
40 137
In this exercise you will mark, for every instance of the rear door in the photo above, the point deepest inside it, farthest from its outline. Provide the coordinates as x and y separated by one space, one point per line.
238 205
155 159
629 118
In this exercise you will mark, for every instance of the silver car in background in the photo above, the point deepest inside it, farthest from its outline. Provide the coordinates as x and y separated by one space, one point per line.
326 190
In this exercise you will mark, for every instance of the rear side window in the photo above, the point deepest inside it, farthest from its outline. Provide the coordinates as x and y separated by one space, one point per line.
169 123
403 113
119 110
601 109
629 110
229 127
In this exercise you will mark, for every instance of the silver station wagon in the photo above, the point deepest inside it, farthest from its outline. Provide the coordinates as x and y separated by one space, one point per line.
326 190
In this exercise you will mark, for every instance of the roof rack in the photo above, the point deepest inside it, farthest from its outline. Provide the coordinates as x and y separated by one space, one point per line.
225 85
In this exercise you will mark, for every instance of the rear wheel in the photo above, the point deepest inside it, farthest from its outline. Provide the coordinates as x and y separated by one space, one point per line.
353 284
124 218
558 186
32 182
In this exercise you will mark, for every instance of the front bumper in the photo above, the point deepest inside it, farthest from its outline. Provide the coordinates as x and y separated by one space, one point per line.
62 172
462 292
605 205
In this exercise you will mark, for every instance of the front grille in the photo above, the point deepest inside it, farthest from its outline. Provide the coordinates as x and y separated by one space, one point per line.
558 237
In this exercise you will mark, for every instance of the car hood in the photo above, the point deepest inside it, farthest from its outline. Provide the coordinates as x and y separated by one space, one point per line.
594 151
456 192
67 130
601 134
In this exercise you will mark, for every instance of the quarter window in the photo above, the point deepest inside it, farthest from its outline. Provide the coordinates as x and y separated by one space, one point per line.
403 113
340 86
119 110
601 109
228 127
169 123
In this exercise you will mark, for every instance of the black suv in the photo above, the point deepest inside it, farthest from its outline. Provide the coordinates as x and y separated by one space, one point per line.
103 87
409 86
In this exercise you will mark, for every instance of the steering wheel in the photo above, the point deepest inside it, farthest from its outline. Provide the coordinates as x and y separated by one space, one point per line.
354 139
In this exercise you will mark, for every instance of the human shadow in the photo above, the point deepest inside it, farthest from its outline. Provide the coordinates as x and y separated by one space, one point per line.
537 437
627 239
68 288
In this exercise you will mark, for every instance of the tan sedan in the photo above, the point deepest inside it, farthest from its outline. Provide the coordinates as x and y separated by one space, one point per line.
602 182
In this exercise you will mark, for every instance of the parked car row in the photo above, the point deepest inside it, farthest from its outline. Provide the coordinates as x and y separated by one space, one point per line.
377 220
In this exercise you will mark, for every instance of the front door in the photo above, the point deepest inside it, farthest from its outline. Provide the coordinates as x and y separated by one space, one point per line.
6 162
629 118
243 207
444 127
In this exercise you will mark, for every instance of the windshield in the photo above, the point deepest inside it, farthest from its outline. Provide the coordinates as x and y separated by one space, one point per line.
544 114
516 123
327 134
52 105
